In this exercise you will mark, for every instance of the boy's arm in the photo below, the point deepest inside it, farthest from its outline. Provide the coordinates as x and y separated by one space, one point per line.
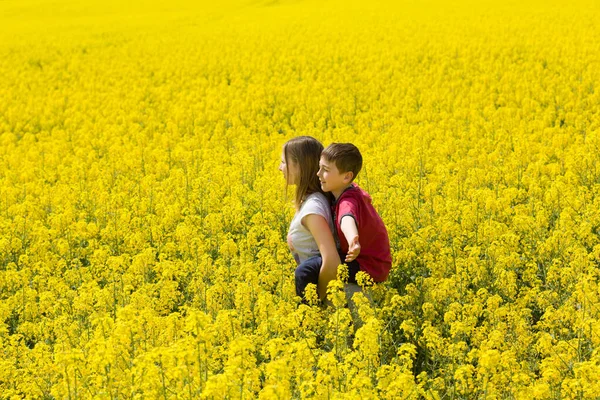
350 231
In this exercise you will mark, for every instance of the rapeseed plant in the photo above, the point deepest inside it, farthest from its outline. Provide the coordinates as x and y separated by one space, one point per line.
142 221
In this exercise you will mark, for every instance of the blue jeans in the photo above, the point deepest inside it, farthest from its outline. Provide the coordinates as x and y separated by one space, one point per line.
308 272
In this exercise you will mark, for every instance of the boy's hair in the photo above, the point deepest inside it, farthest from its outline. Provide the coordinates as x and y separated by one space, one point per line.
346 157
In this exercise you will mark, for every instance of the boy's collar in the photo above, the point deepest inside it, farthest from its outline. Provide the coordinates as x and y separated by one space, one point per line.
352 186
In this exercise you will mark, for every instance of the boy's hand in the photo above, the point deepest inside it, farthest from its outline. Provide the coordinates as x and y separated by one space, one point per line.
353 249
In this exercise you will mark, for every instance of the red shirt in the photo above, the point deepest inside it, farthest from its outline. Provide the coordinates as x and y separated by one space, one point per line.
374 258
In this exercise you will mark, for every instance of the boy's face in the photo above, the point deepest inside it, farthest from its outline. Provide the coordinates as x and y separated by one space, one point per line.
332 180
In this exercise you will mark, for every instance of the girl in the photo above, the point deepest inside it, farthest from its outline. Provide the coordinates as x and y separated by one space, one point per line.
310 236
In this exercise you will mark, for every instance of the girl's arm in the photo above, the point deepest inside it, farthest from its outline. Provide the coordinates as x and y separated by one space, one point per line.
319 228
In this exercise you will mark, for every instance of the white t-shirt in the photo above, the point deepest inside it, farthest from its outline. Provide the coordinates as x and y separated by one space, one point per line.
301 242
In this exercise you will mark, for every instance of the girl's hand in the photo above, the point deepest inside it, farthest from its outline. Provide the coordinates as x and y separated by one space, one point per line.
353 249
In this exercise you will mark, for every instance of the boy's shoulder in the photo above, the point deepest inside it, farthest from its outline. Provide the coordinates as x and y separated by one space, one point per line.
356 192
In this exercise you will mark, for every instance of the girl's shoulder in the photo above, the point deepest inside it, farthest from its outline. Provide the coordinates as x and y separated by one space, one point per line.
316 197
315 200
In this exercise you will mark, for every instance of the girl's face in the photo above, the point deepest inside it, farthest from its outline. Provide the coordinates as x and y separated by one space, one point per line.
290 170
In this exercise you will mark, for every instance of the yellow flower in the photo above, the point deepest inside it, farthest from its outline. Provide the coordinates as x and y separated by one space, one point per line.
143 220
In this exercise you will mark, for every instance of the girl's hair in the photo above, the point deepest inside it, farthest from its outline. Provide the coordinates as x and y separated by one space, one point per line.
304 151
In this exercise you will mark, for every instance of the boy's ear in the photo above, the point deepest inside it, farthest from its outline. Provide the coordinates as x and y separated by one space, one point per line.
348 176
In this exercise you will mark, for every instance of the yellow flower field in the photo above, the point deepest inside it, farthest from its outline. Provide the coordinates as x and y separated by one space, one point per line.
143 218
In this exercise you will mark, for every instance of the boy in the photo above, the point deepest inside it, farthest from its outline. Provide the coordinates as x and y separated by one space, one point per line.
362 234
